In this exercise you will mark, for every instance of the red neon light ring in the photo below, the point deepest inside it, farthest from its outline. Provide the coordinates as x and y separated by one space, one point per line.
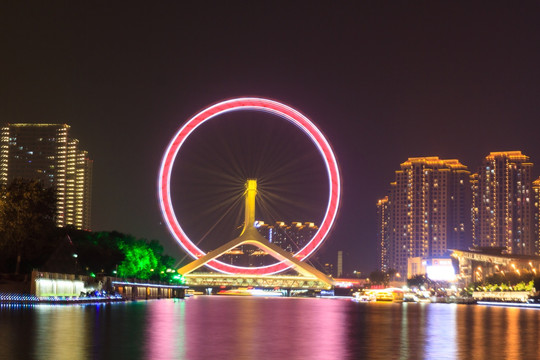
257 104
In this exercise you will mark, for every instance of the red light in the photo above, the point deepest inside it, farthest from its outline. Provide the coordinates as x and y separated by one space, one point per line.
275 108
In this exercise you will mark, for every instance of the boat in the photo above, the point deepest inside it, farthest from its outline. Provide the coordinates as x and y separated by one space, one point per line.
385 295
364 296
250 292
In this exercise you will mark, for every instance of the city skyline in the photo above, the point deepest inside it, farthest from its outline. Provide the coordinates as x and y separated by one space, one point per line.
438 205
384 82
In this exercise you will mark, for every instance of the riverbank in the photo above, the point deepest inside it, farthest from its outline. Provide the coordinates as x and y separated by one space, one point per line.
28 299
52 288
510 304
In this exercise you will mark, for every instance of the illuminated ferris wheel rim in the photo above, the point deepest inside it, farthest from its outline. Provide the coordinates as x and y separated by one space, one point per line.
257 104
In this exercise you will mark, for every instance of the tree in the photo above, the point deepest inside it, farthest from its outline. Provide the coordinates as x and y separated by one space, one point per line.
27 217
378 277
124 255
97 252
417 281
391 273
140 260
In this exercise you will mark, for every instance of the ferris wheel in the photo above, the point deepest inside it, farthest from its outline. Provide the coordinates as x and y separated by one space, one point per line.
279 111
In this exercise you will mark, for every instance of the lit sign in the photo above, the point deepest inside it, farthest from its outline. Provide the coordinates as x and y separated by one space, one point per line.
444 272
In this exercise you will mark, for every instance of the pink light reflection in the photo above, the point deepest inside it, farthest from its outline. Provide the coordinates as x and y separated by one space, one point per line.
165 331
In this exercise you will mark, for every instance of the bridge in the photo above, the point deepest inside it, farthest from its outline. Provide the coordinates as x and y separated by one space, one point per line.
289 282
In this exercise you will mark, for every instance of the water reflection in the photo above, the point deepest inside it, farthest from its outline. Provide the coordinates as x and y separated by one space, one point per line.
165 332
512 334
404 339
15 321
441 331
255 328
497 332
61 332
259 328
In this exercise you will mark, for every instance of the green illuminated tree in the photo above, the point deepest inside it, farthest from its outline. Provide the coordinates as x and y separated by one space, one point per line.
140 261
124 255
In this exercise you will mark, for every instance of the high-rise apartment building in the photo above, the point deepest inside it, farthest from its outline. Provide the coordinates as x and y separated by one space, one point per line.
46 152
290 238
536 208
428 210
339 264
475 225
383 222
503 203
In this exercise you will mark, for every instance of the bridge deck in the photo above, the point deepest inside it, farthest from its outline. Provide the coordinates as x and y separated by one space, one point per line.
266 281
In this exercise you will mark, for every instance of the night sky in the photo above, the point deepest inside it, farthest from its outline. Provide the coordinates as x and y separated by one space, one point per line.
383 80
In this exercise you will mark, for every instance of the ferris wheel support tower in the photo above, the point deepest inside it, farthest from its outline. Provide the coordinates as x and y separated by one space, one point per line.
251 236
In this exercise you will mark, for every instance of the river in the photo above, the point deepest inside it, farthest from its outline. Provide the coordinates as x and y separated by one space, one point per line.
220 327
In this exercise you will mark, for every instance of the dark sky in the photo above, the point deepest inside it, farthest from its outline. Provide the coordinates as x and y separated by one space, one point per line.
383 80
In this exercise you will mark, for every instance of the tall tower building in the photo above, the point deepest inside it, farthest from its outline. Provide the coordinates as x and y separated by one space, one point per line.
383 223
536 208
429 210
475 224
504 203
45 152
339 263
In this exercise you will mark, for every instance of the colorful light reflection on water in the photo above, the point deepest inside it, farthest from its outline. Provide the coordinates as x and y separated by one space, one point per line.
266 328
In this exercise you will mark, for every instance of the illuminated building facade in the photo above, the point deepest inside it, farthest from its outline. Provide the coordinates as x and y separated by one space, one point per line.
329 269
339 264
383 222
503 212
428 211
46 153
475 224
290 238
536 192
